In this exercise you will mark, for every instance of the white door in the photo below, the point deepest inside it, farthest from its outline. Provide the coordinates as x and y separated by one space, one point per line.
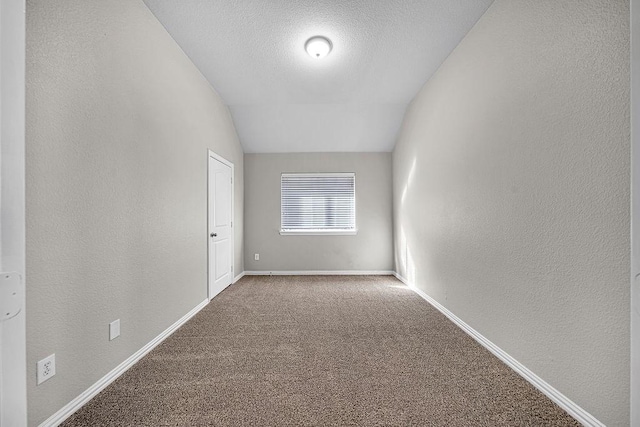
220 225
13 377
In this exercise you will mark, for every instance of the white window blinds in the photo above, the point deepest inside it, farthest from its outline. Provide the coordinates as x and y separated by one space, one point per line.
319 202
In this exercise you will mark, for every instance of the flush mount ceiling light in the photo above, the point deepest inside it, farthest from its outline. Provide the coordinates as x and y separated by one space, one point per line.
318 47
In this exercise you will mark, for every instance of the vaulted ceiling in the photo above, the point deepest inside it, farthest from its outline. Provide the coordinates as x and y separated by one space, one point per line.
282 100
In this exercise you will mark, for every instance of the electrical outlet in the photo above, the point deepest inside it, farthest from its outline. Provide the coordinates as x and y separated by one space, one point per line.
256 257
114 329
46 368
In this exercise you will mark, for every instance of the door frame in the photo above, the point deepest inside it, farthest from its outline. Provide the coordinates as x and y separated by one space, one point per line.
13 377
221 159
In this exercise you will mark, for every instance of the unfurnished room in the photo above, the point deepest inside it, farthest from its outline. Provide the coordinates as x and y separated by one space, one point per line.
319 213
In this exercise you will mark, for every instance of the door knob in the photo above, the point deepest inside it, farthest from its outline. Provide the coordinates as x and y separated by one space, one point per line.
214 234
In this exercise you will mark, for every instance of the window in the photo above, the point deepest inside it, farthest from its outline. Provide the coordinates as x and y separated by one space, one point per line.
318 203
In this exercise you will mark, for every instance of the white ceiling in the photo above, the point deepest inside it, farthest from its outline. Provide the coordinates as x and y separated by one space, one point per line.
282 100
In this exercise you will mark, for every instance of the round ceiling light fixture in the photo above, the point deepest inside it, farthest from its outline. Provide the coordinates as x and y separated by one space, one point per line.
318 47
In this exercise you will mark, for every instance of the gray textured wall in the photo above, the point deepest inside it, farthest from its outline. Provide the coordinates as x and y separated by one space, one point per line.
119 123
635 220
370 249
511 192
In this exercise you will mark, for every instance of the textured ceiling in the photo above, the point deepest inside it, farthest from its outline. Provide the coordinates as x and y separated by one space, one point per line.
282 100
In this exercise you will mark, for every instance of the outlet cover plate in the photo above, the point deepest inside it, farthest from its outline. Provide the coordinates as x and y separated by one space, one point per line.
46 368
114 329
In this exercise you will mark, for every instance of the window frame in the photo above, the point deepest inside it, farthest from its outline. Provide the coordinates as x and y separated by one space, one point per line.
322 232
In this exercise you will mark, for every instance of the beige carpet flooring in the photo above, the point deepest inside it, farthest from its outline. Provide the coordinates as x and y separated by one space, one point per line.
320 351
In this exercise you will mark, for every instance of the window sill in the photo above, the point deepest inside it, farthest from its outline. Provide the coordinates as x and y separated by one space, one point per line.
318 232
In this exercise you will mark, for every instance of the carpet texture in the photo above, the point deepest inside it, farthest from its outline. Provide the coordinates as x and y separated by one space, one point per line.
320 351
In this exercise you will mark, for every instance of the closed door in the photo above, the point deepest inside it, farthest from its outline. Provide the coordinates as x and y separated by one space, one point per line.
13 368
220 224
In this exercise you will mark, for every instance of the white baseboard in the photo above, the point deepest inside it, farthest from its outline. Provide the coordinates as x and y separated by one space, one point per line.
322 273
560 399
71 407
